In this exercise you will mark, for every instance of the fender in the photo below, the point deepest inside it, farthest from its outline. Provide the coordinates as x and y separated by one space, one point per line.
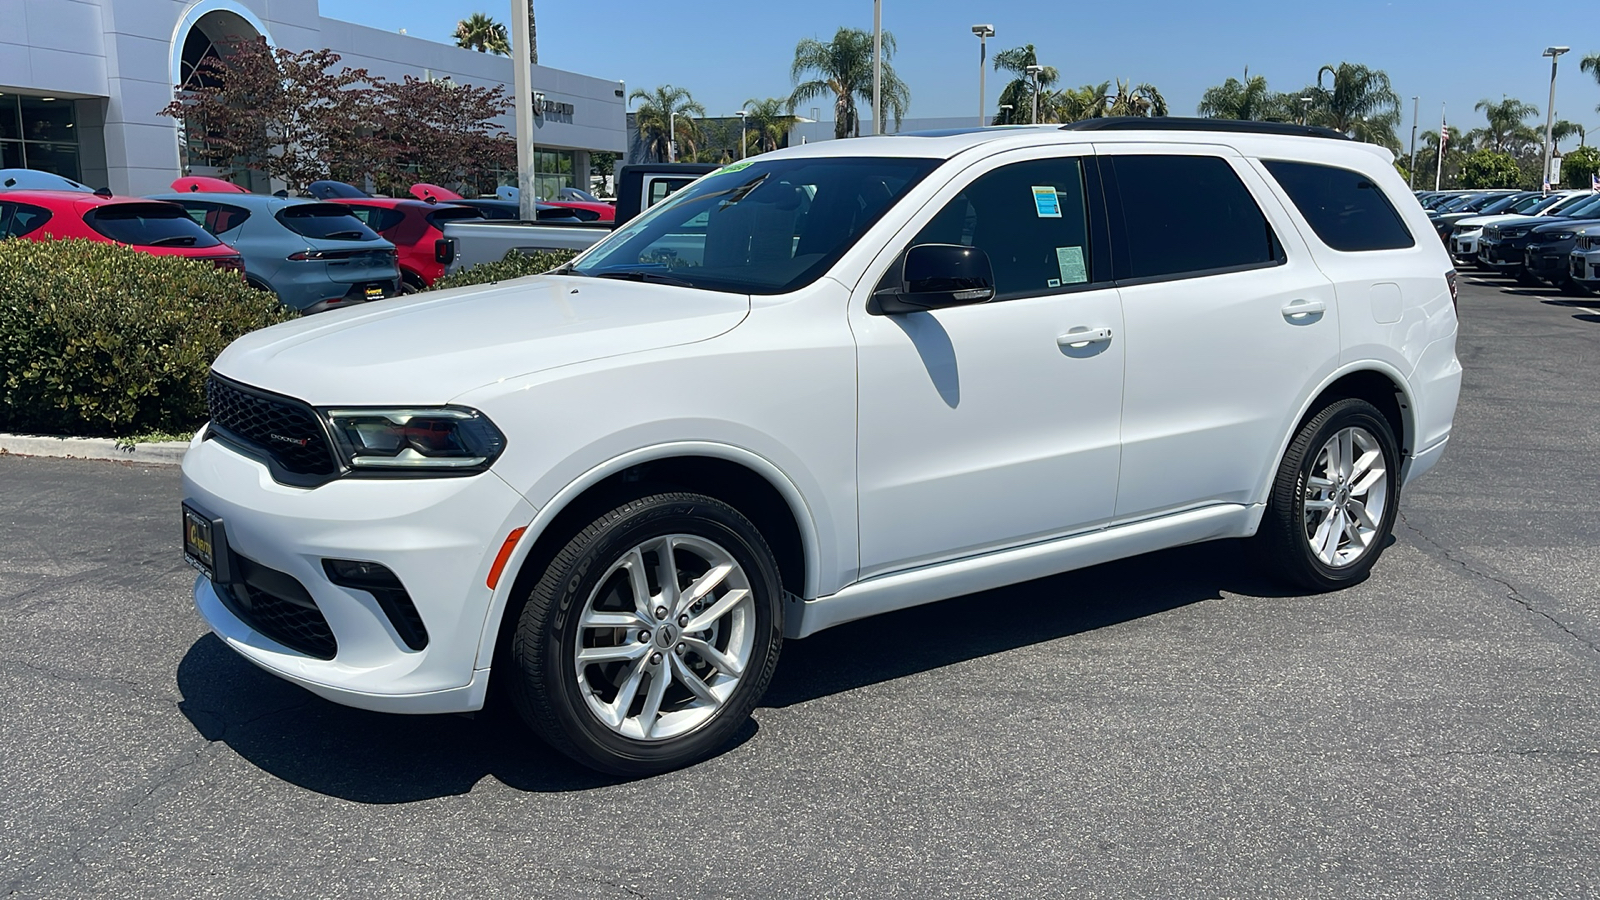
1407 414
809 540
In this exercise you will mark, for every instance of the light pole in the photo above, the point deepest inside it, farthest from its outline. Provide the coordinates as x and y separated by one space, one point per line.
877 61
1033 74
522 91
1005 112
1550 111
741 114
984 32
1413 143
672 134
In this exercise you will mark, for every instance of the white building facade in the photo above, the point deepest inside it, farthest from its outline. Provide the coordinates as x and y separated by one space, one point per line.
82 83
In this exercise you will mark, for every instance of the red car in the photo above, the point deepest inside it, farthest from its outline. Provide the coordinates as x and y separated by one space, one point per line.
149 226
412 226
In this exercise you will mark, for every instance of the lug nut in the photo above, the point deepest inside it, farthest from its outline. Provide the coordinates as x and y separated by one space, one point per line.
644 637
683 621
661 612
681 649
655 659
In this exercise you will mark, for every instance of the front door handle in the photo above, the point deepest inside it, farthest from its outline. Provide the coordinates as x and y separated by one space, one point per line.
1299 310
1083 337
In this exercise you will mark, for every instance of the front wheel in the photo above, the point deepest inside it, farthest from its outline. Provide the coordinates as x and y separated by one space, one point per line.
651 635
1334 499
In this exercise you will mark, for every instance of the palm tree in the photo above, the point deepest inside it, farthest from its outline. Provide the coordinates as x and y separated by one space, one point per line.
481 33
1508 131
1019 91
1591 64
842 69
1248 99
658 110
1563 129
1139 100
1073 104
766 124
1359 102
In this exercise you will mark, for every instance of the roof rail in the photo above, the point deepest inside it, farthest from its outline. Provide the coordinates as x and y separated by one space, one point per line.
1178 123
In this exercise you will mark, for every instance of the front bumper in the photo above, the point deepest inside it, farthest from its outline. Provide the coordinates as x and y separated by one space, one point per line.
1464 249
1548 266
1500 255
1585 267
438 535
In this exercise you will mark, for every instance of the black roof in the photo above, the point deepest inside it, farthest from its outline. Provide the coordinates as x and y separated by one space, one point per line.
1178 123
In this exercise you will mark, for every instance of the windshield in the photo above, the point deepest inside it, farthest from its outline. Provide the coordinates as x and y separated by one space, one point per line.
327 221
1564 202
149 225
1506 203
761 227
1586 206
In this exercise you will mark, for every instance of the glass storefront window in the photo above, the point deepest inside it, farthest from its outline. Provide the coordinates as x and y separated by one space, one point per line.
39 133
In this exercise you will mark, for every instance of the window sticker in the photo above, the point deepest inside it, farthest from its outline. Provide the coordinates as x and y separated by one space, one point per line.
1053 282
1045 202
1070 261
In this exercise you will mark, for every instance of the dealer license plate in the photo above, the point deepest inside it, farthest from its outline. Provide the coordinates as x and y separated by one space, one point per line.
198 548
375 292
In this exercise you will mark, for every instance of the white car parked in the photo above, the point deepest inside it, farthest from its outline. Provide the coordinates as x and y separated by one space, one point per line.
821 384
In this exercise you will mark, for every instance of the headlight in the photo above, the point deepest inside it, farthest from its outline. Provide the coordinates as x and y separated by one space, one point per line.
1563 236
422 440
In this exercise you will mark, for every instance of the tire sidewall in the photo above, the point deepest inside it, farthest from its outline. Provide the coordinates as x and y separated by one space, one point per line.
568 590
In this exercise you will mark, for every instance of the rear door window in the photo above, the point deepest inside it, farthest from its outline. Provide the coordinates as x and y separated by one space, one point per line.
1030 218
18 219
1346 209
149 225
1184 216
325 221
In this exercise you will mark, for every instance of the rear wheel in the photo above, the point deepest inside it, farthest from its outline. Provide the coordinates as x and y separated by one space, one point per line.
651 635
1334 499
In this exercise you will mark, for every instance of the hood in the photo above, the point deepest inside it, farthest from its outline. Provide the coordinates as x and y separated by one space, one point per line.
1480 221
430 348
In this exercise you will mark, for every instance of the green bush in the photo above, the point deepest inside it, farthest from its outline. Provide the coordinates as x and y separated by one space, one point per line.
1488 169
515 265
1578 165
97 339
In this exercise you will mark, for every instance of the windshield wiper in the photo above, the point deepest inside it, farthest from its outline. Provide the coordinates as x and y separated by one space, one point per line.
176 240
643 275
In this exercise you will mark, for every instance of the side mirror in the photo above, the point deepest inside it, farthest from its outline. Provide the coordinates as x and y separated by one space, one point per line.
934 276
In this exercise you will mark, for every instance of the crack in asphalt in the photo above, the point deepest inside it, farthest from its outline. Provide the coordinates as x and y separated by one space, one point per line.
1513 593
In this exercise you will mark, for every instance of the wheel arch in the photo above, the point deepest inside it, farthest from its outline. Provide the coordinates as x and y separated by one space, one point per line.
745 480
1371 380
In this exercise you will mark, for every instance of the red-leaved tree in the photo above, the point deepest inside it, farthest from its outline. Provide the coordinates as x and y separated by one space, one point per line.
444 133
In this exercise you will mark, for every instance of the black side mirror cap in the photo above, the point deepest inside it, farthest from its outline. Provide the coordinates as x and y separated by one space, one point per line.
935 276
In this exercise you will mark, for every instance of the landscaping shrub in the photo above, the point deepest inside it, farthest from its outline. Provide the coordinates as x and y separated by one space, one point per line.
515 265
97 339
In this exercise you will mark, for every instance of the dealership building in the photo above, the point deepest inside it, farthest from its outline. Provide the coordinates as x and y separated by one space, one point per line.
82 83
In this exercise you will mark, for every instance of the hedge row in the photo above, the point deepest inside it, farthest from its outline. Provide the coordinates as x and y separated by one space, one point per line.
96 339
515 265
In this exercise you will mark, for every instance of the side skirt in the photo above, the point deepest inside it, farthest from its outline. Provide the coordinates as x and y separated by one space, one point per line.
956 578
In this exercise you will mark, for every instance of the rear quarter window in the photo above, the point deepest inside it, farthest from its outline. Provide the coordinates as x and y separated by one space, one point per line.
1346 209
18 219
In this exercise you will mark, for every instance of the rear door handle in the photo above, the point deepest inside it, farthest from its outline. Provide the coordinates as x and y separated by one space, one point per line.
1298 310
1083 337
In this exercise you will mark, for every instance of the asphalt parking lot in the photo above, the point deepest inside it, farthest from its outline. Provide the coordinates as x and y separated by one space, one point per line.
1171 726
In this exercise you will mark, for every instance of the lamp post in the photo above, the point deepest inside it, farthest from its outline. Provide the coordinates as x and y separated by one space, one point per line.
522 91
1413 166
1550 111
741 114
877 62
984 32
672 134
1005 112
1033 75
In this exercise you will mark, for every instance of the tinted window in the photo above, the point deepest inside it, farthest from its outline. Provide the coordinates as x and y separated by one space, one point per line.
758 227
1346 209
149 225
1187 214
377 218
661 188
444 214
18 219
327 221
1029 217
215 217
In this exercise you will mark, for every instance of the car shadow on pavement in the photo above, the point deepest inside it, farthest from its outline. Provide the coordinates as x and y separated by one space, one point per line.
368 757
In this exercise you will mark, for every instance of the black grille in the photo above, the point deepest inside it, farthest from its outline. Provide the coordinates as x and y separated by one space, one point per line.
277 605
286 431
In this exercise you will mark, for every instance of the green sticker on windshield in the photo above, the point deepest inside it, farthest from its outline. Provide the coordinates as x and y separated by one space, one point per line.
733 167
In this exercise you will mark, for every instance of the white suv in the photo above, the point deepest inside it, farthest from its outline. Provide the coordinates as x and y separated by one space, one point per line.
821 384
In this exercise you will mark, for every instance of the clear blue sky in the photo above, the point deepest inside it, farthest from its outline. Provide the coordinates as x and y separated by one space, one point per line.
1456 53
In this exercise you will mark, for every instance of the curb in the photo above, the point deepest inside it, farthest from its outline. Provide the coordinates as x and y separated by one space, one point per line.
161 453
